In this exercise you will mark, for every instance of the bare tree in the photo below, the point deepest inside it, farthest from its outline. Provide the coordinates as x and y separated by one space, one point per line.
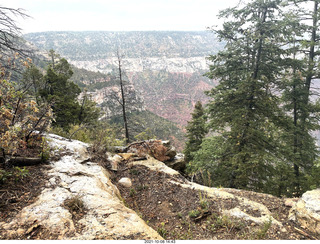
11 43
123 100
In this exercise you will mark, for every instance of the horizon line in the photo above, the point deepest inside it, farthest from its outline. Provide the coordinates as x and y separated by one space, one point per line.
206 30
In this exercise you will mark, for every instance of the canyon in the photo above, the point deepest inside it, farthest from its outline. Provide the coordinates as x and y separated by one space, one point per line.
165 68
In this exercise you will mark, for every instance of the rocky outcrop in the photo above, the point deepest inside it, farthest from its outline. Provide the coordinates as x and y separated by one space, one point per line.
241 211
306 211
73 176
160 150
80 202
178 163
187 65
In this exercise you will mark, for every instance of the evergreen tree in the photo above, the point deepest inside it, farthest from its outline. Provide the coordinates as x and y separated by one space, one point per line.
62 93
33 81
297 95
196 131
245 110
89 112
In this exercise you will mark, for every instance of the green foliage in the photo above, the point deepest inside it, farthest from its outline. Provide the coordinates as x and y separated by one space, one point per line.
132 192
4 175
90 80
157 126
312 179
208 157
261 234
196 131
194 213
109 138
298 98
253 143
89 112
56 88
104 136
204 204
224 222
17 174
245 114
77 132
162 231
45 150
180 215
60 91
20 173
33 76
20 116
145 135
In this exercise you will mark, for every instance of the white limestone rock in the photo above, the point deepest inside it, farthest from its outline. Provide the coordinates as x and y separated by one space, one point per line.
307 211
125 182
106 217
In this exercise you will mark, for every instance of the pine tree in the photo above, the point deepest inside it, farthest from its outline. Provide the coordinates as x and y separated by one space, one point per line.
62 94
196 131
244 110
297 95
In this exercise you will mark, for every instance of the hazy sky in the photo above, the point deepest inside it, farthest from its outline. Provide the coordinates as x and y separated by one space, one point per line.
118 15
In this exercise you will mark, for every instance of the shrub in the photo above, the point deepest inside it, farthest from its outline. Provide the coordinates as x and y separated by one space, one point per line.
20 173
194 213
145 135
75 204
162 231
20 116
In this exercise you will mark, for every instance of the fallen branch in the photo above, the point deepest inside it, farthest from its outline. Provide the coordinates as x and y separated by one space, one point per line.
305 234
23 161
139 158
202 216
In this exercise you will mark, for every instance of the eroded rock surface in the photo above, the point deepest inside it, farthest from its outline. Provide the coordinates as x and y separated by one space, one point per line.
221 193
77 182
307 211
73 176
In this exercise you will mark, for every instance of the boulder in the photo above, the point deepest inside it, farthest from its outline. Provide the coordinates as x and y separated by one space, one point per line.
125 182
154 148
290 202
178 163
306 211
171 153
114 161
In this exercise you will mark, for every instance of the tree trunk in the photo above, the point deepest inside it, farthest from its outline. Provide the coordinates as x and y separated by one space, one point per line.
23 161
123 104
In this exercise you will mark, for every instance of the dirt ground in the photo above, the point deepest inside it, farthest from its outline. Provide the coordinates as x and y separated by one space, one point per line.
179 213
17 192
175 212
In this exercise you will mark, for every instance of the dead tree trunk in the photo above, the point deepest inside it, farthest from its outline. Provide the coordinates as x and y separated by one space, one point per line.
123 100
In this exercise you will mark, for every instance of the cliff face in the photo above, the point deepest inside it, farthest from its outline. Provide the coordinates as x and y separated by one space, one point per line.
170 65
109 100
172 95
165 68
